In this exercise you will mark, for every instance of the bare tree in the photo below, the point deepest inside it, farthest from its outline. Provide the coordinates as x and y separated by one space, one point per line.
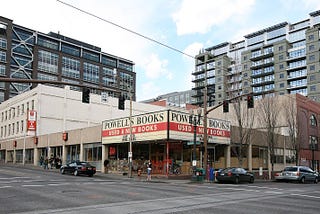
270 109
292 122
245 120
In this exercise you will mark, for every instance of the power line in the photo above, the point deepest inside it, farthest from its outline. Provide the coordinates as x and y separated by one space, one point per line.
126 29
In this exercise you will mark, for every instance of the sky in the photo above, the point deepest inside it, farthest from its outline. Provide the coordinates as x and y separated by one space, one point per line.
185 26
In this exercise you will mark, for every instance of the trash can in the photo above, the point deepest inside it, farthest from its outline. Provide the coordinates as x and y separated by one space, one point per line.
200 174
211 174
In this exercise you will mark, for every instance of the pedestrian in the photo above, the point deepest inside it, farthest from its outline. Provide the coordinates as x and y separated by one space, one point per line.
149 169
106 166
46 162
41 161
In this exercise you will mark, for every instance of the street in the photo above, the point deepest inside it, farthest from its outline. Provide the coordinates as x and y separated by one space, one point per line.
34 190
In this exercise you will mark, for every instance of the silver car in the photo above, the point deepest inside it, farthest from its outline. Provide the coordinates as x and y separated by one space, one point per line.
301 174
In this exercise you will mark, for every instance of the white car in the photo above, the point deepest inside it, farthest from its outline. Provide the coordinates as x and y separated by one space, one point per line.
301 174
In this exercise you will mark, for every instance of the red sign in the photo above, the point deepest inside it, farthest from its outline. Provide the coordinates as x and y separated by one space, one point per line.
32 120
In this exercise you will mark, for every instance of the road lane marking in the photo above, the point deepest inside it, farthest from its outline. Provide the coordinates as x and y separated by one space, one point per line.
32 185
5 187
307 196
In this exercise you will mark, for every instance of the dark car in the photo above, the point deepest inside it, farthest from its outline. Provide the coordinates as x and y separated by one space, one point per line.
234 175
301 174
78 168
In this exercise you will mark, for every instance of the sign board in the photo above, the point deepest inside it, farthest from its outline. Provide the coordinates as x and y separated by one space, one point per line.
163 125
32 120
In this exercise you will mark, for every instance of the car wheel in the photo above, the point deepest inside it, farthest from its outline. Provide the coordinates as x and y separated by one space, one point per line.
303 180
251 180
62 171
76 173
316 180
236 180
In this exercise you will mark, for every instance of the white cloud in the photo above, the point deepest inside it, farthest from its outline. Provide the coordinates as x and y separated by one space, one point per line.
200 16
155 67
193 49
148 90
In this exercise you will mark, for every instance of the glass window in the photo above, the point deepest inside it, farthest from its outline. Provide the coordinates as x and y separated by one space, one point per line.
109 61
3 43
48 61
2 70
311 58
125 66
2 56
281 85
313 88
91 56
313 120
70 67
311 37
90 72
68 49
45 42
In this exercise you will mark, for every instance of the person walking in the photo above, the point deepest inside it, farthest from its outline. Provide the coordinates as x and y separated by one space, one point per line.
149 169
45 164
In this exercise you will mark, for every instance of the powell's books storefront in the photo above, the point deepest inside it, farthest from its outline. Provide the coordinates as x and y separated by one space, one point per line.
164 137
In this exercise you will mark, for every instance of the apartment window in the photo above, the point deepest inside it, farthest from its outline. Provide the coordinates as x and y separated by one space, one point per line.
312 77
2 70
17 127
245 67
313 88
48 61
2 56
313 120
311 37
281 76
244 58
68 49
311 67
281 57
281 85
90 72
311 58
3 43
281 66
70 67
311 47
22 125
281 48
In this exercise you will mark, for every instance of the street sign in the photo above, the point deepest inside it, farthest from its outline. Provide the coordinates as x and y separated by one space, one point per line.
189 143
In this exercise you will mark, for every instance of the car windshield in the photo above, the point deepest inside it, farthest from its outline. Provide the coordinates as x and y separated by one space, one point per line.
291 169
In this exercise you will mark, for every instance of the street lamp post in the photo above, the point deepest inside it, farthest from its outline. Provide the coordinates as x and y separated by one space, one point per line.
130 137
194 119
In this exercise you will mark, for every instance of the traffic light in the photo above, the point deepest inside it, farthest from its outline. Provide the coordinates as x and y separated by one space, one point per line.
85 95
121 102
250 101
225 106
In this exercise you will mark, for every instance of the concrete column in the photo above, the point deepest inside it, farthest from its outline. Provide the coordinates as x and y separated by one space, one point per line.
14 156
105 156
35 156
6 156
64 154
228 155
249 157
81 152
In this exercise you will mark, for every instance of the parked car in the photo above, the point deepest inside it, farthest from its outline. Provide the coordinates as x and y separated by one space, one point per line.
78 168
235 175
301 174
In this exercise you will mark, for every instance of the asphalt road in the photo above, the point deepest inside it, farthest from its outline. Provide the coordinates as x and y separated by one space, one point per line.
34 190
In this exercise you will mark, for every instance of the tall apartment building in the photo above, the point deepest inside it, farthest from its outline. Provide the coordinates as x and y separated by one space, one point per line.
281 59
31 55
